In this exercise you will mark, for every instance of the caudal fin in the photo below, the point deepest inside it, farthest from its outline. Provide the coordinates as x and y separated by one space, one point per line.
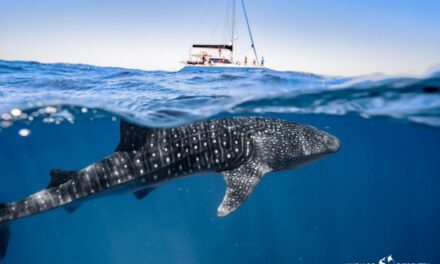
4 236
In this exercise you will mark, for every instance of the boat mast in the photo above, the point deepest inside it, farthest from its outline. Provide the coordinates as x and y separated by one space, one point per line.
250 33
233 30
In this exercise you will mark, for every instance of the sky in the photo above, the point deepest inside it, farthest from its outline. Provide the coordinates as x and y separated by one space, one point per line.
339 37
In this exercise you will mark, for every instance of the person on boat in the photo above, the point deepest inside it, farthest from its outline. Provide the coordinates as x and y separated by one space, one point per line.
262 61
245 60
203 59
254 62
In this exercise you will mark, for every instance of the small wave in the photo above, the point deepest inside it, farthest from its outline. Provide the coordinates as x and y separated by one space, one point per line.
403 98
9 67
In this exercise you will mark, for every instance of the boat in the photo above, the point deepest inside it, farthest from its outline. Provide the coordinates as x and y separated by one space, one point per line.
218 56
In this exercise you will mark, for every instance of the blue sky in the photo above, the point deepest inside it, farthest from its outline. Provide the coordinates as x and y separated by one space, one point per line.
341 37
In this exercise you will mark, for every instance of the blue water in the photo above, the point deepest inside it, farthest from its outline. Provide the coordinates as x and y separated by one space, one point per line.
378 196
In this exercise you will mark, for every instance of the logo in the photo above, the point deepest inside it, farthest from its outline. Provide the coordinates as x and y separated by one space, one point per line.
387 260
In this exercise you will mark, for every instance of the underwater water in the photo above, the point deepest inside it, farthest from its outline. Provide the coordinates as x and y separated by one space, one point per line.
378 196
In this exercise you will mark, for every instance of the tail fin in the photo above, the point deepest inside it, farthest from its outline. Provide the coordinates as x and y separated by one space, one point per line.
4 236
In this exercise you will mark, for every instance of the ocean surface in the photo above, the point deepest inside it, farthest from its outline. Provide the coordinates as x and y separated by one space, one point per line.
378 196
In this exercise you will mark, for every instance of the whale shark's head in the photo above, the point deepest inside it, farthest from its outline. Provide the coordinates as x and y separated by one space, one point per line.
313 141
291 145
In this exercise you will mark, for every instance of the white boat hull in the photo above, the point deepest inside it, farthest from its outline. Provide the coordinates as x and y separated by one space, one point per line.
218 67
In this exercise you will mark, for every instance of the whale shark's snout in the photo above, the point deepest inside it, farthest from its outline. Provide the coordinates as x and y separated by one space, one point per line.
333 144
329 143
319 142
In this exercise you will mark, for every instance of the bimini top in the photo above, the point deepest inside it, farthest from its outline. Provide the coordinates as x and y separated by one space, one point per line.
213 46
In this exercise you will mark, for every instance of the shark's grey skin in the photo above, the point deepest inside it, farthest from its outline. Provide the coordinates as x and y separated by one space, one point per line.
242 149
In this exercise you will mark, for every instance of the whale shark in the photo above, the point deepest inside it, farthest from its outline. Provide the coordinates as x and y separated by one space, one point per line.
242 149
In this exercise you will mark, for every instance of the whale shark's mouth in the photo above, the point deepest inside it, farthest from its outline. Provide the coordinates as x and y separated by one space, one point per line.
304 160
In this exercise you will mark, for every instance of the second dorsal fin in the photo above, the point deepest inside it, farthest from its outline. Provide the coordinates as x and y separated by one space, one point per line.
132 136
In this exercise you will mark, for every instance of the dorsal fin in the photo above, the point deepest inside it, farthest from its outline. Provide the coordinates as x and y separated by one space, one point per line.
58 177
132 136
241 182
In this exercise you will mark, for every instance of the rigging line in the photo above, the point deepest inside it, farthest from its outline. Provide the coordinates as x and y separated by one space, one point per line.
233 22
205 15
226 28
232 30
250 33
215 31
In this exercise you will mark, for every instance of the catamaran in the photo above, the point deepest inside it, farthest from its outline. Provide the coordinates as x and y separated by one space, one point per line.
224 55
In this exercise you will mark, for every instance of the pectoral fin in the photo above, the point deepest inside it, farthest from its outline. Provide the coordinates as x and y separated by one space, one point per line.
241 182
